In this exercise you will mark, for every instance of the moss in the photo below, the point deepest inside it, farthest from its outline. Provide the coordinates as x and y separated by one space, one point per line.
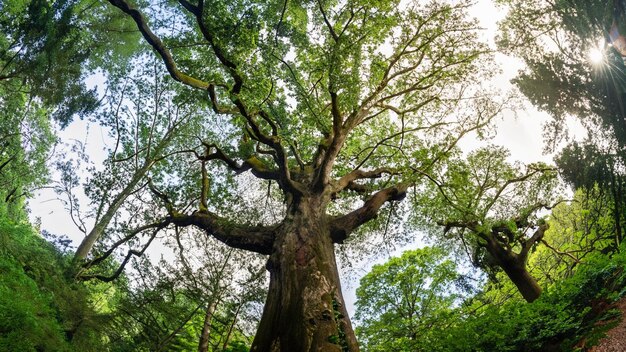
256 163
341 338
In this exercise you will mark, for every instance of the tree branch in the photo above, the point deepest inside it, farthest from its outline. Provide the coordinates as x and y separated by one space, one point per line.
527 245
156 225
331 30
258 169
130 253
347 180
576 260
157 45
258 239
342 226
511 181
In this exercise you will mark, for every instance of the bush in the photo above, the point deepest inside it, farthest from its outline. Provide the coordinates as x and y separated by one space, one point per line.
565 313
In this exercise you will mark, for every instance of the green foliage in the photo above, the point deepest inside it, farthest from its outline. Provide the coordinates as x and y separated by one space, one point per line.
559 77
25 142
42 309
576 230
166 307
45 50
488 207
403 303
564 315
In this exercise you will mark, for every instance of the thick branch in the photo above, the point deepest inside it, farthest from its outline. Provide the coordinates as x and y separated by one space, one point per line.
347 180
157 45
342 226
527 245
329 155
258 239
253 164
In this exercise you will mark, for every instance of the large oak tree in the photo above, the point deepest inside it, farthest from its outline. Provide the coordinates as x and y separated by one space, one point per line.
338 108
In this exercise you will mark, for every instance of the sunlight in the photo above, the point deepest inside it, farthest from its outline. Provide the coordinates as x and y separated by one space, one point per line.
596 55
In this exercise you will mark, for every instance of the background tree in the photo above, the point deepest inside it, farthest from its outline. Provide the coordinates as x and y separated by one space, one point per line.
46 53
26 140
149 122
560 76
300 91
577 230
403 303
596 167
490 208
164 313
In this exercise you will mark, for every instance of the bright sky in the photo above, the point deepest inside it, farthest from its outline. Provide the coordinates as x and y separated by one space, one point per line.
520 132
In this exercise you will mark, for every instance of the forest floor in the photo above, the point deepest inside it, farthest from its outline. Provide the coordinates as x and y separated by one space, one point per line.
615 339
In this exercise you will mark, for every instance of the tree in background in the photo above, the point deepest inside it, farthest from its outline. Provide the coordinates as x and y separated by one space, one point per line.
26 141
298 93
165 311
404 303
557 46
596 167
577 230
230 284
46 54
491 209
149 123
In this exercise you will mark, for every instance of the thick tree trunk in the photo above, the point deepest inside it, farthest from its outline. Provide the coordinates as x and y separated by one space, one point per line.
525 283
514 266
304 310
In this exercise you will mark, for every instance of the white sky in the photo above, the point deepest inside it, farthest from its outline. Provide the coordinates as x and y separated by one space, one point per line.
520 132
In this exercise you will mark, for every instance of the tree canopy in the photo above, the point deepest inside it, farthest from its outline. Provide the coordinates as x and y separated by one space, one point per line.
403 302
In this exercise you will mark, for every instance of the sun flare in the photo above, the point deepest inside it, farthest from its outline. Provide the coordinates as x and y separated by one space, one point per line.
596 55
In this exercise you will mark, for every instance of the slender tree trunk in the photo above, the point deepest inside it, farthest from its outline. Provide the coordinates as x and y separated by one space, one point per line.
98 229
231 327
203 345
304 310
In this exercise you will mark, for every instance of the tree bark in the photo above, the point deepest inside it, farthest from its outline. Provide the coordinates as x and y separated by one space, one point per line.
203 345
514 266
304 309
525 283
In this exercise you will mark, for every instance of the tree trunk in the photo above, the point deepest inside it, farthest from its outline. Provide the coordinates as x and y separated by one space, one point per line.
514 266
98 229
526 283
304 310
232 326
203 346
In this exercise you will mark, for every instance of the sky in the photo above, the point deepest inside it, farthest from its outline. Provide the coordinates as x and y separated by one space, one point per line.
519 131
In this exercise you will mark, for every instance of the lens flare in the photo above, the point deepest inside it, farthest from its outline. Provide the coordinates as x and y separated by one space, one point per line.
596 55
